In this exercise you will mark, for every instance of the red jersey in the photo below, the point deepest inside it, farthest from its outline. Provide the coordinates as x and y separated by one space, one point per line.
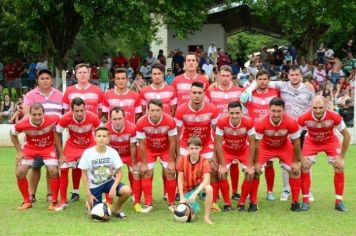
129 101
9 72
222 97
196 122
156 135
39 140
92 95
121 140
276 136
166 94
235 138
80 133
193 173
259 106
321 131
182 84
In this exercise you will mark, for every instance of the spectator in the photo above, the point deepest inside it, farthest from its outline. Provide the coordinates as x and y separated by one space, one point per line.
347 113
292 51
348 48
208 68
178 70
162 58
319 74
104 77
120 60
169 77
305 67
18 113
242 77
252 69
336 65
31 66
9 71
178 58
145 70
130 72
235 68
223 59
212 51
138 83
108 60
348 63
7 108
94 74
151 59
134 62
251 78
278 58
42 64
321 53
265 58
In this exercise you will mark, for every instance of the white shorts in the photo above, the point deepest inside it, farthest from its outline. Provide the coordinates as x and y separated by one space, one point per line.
69 164
48 162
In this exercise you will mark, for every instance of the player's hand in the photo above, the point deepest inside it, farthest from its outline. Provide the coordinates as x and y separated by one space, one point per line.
306 163
258 168
112 192
19 157
61 160
183 200
250 171
171 168
338 163
91 199
144 168
295 168
246 96
136 169
222 171
213 86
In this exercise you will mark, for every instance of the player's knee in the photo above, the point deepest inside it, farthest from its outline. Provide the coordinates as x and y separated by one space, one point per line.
208 189
339 170
20 173
53 172
269 164
126 190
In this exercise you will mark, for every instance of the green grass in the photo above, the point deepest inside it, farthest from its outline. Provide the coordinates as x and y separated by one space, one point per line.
273 218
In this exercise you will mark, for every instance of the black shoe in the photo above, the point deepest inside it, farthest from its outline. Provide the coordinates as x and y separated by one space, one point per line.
295 207
120 215
241 208
177 197
33 198
74 197
236 196
252 207
227 208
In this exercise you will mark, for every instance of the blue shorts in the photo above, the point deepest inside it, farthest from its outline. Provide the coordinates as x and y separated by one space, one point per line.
105 188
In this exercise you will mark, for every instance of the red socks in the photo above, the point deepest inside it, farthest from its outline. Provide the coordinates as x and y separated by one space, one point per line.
306 186
224 188
295 185
130 179
339 181
234 177
76 175
245 191
171 185
54 187
269 175
215 187
147 190
254 190
63 185
23 187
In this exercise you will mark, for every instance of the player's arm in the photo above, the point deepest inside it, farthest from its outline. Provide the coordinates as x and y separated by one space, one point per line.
142 150
90 197
255 158
218 149
173 109
251 158
180 182
172 153
137 116
345 142
296 149
133 152
202 185
118 178
16 142
58 144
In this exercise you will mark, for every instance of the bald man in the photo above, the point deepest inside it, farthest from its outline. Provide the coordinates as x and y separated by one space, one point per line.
320 123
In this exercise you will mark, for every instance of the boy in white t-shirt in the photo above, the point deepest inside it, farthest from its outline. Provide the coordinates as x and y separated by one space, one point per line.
101 166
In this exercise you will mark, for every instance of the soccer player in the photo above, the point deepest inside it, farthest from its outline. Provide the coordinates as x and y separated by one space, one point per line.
194 177
199 118
159 90
101 167
40 141
80 123
220 96
157 137
51 99
235 141
123 97
122 136
91 94
277 135
320 123
182 83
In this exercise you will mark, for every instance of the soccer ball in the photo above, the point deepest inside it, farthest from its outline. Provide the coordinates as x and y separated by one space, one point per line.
101 212
183 213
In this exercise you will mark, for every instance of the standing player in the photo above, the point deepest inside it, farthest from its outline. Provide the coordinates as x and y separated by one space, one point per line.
320 123
274 133
123 97
122 136
101 166
235 141
40 141
159 90
51 99
199 118
81 124
183 83
194 177
221 95
157 137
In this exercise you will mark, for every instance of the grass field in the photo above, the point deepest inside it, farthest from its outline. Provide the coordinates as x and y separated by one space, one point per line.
273 218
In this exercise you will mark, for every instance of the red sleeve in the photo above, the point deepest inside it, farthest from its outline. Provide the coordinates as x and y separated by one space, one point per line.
292 126
105 100
96 121
301 120
337 118
64 121
179 114
66 99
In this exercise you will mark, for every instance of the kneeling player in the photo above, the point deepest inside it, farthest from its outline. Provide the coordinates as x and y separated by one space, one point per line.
320 123
157 137
99 165
235 140
274 133
194 177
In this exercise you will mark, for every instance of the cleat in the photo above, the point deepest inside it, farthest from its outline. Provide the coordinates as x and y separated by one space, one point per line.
146 209
311 197
74 197
284 196
138 208
49 197
52 206
340 207
25 206
172 207
252 207
270 196
33 198
227 208
236 196
177 197
61 207
305 206
295 207
120 215
215 208
241 208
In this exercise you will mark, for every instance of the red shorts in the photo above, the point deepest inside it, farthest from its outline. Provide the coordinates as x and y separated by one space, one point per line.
126 160
73 153
311 150
207 152
151 156
48 159
284 154
241 156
